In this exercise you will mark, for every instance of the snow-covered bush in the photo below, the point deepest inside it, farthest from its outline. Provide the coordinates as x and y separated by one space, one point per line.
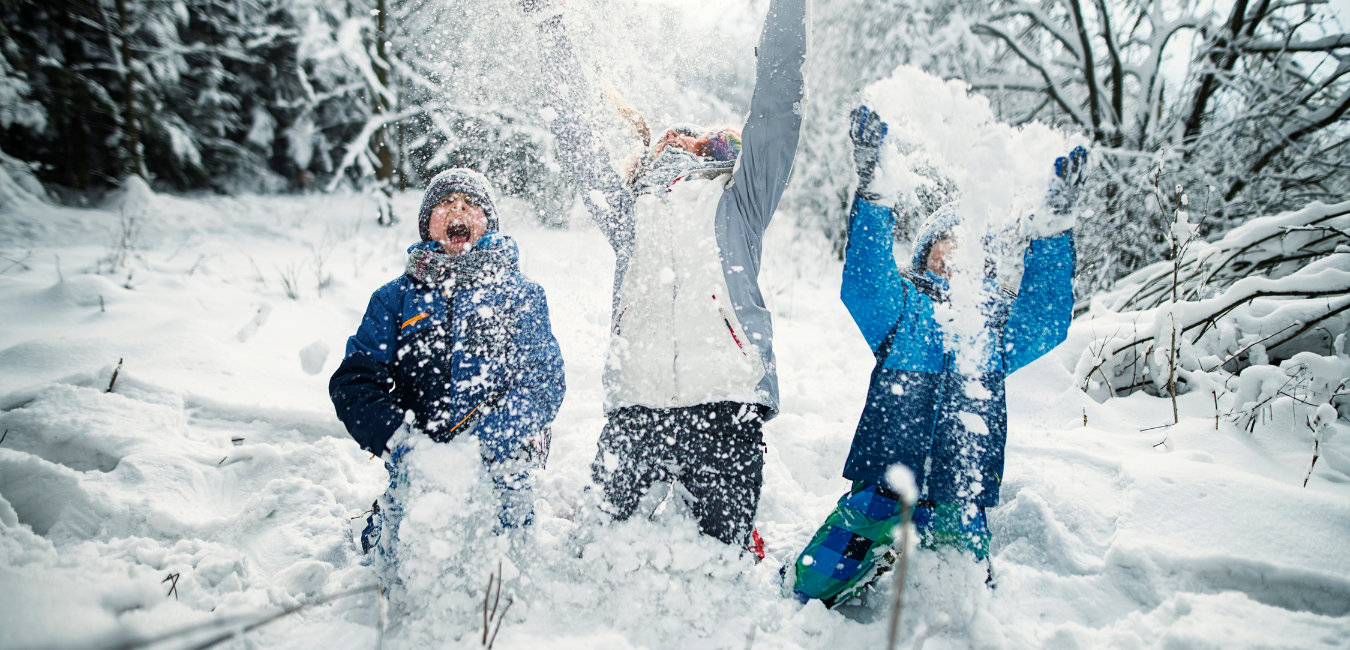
1260 315
18 185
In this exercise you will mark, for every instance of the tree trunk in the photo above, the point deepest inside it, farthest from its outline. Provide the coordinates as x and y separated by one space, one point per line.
401 160
384 155
1089 72
1117 76
1222 61
131 128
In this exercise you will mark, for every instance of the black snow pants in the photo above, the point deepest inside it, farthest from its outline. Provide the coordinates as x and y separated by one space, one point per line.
715 451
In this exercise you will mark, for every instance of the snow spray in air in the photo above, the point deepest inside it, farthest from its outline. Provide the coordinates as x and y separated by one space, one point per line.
942 134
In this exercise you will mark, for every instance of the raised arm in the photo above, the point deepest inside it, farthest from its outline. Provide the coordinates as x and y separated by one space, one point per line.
769 139
1039 318
873 289
582 154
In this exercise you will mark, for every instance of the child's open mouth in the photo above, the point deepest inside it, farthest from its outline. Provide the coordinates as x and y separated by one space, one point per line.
457 234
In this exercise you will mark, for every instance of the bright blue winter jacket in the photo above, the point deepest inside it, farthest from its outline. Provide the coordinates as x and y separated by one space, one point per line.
916 398
480 357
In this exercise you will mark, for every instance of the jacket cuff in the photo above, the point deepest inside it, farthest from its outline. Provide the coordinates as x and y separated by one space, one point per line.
1054 242
864 206
376 437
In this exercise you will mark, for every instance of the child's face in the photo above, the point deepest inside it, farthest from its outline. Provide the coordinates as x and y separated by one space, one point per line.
940 257
457 223
677 140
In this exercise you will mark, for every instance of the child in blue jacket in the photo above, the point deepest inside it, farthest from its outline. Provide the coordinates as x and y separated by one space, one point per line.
921 412
460 344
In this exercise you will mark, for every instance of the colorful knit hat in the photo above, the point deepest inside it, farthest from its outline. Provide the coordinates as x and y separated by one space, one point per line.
460 180
687 128
724 144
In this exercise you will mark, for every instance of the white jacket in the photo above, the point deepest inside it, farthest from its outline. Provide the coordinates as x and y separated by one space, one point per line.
676 338
689 323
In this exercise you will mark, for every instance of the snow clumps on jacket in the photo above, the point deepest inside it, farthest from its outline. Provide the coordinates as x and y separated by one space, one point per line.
472 353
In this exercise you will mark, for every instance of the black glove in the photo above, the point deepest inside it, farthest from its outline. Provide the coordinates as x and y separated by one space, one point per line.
1063 194
1068 181
867 131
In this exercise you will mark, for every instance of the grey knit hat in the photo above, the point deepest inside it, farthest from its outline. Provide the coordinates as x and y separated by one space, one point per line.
460 180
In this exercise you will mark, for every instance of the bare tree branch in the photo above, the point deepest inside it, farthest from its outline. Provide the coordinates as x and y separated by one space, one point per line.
1031 115
1051 87
1222 59
1340 71
1021 85
1319 119
1039 18
1320 45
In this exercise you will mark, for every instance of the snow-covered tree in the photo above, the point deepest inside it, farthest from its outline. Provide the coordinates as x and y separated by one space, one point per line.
1254 114
56 56
17 106
1251 101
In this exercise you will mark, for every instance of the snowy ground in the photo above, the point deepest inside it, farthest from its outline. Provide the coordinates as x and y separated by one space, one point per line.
217 459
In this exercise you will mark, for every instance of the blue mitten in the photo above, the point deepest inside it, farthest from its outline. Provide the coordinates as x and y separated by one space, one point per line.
867 131
1064 190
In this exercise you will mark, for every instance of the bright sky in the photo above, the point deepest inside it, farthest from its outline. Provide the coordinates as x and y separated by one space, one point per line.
1342 9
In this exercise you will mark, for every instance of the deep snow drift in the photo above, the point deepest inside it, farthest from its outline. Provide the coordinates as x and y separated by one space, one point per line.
217 459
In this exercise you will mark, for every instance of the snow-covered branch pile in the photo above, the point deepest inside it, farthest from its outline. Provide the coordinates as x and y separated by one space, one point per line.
1257 318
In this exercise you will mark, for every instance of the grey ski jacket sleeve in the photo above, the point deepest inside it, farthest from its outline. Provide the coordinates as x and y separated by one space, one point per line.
769 138
768 147
773 128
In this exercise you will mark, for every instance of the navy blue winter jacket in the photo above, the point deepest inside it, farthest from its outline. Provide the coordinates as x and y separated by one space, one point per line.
920 411
477 357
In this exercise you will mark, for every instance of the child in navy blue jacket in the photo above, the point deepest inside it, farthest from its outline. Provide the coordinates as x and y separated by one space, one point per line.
921 411
460 344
